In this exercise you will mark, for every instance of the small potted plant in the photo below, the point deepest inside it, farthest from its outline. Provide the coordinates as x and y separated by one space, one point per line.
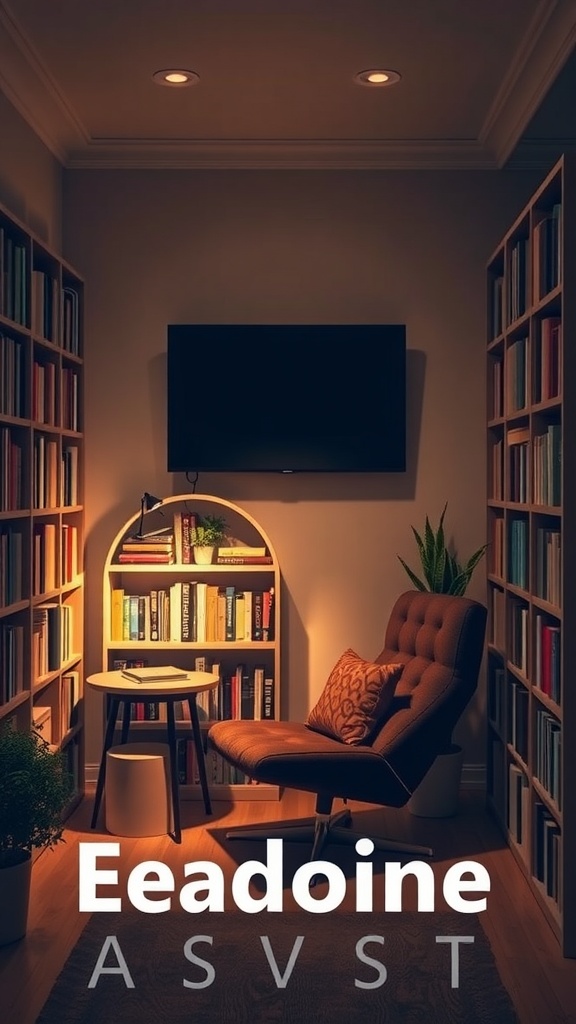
35 786
443 573
206 534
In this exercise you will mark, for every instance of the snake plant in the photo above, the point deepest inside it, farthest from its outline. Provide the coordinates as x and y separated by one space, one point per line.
442 572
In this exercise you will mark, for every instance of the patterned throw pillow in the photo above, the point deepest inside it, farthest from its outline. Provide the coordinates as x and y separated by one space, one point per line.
355 699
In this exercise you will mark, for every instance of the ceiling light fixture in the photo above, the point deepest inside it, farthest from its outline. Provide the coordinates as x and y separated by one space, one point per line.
178 78
377 77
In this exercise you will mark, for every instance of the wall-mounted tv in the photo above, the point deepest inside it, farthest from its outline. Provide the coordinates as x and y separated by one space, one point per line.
287 398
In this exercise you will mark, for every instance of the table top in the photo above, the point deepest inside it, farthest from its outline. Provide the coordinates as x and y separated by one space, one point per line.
119 686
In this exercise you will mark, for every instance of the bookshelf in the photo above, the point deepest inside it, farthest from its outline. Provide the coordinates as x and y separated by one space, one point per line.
213 616
531 527
41 511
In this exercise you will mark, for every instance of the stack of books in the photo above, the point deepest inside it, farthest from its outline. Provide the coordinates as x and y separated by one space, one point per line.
243 554
154 549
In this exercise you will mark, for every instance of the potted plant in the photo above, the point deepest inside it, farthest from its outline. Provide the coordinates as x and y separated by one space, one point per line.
207 532
35 786
443 573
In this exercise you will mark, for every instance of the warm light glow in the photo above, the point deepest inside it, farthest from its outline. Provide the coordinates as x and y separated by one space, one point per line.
175 77
376 77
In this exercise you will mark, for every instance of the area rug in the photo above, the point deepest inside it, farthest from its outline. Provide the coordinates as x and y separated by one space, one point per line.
322 969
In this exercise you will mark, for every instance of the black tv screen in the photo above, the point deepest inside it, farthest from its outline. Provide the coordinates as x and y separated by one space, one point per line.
286 398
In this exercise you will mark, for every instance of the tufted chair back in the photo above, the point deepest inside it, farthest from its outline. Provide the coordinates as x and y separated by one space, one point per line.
439 639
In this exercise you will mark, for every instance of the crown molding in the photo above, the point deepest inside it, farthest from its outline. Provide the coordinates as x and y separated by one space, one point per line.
26 82
29 86
250 154
548 41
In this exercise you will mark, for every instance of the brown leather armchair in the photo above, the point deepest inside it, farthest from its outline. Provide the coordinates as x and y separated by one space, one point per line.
439 640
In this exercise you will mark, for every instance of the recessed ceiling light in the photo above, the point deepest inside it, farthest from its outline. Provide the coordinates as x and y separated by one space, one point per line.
176 77
377 77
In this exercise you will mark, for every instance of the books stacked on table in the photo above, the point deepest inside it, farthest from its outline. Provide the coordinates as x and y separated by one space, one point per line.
155 674
154 549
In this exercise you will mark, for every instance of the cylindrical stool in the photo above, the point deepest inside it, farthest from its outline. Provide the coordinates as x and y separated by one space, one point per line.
438 793
138 790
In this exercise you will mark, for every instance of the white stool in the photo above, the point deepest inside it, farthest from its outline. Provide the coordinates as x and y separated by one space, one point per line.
138 790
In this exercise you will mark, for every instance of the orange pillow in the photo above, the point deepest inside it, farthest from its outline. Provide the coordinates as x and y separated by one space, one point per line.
356 697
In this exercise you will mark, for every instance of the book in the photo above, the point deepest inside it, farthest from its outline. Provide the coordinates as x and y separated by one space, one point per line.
154 635
145 558
153 542
257 599
241 551
268 614
175 611
155 674
244 560
178 537
186 623
230 614
188 523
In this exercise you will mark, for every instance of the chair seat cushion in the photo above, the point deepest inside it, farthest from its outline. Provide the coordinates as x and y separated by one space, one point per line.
356 697
289 754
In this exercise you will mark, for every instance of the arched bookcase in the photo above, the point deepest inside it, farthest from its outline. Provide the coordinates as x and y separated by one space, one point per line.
221 616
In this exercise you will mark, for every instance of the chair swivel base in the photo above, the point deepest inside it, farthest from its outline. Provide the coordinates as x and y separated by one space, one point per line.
324 829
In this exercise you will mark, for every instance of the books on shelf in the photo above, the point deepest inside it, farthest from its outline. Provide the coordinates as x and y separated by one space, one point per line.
193 611
155 674
529 764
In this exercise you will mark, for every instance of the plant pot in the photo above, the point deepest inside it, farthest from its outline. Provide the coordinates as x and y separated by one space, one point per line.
14 899
437 795
203 554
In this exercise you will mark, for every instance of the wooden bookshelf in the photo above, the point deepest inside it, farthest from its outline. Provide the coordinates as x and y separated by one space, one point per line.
41 510
531 433
140 587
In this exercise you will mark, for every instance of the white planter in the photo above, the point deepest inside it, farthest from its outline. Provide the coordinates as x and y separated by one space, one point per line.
438 793
14 899
203 554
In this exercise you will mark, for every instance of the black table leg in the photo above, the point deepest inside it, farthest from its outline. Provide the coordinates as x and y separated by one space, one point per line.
110 726
197 732
174 770
127 708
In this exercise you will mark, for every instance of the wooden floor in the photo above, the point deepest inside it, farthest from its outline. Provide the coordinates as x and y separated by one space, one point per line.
541 983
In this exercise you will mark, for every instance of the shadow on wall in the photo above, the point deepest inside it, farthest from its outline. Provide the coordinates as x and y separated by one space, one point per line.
18 206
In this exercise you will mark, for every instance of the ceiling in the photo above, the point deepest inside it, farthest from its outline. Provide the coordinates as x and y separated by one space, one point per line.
482 81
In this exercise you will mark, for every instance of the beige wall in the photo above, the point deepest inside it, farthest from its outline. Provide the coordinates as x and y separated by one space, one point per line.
165 247
30 177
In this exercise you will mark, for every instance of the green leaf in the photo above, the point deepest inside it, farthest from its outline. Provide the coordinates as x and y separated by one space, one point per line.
475 558
459 583
430 543
419 543
439 571
417 582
